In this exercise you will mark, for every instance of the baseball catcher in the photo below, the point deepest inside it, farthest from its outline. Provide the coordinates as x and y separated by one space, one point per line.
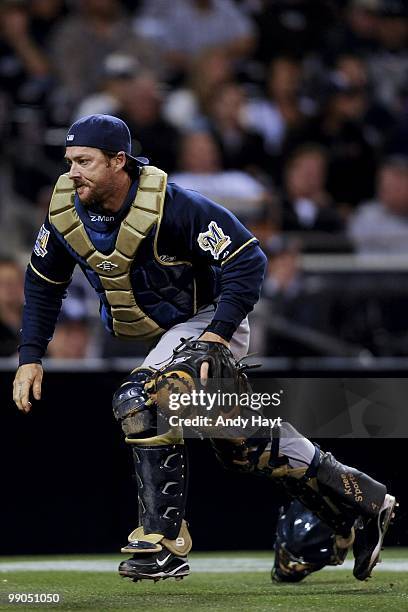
169 264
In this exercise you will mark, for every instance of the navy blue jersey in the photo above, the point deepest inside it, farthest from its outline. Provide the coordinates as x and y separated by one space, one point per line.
222 258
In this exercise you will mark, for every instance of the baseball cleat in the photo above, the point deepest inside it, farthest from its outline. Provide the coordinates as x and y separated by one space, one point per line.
155 566
369 538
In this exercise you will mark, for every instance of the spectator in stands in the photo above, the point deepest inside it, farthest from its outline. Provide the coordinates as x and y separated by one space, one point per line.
357 31
11 305
18 220
200 169
363 107
280 111
352 158
118 71
389 64
44 16
240 147
152 135
193 26
397 143
295 27
185 106
381 225
24 68
72 338
307 206
135 96
94 30
291 305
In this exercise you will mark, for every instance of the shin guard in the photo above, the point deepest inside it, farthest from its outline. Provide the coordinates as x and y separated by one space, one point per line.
162 481
352 488
336 493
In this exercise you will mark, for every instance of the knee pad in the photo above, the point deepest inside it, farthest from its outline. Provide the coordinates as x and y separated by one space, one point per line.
261 458
302 485
131 404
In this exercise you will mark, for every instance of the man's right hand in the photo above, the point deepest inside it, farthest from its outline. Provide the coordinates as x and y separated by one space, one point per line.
28 376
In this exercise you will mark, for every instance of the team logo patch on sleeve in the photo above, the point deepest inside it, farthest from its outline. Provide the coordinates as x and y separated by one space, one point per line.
214 240
41 242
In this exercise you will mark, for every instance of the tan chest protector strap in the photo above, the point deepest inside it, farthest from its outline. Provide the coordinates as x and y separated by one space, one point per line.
114 269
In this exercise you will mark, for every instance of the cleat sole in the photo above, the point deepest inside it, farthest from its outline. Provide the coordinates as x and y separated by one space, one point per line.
156 578
383 523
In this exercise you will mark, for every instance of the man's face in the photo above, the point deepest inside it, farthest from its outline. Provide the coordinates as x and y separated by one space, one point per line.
92 173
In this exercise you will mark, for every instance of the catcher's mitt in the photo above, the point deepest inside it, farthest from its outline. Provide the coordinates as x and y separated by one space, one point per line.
182 375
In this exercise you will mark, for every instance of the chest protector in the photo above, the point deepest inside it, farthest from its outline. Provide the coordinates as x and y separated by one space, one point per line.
129 321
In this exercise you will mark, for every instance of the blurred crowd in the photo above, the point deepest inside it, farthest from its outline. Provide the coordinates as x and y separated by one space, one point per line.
291 113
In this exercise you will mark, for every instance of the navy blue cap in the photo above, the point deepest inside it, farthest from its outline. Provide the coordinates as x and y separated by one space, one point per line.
102 132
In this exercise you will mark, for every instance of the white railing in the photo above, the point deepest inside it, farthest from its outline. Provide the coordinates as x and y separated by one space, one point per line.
269 365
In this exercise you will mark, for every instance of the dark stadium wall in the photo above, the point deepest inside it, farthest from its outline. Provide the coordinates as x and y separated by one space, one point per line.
66 484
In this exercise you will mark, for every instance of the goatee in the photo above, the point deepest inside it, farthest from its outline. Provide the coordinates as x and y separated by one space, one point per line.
93 203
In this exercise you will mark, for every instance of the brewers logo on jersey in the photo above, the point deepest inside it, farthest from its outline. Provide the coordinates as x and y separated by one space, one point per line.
41 242
214 240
